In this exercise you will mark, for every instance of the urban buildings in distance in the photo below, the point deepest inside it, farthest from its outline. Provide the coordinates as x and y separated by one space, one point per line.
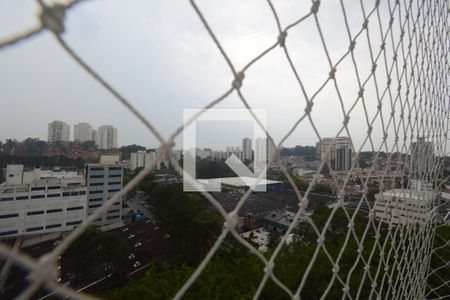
82 132
336 150
58 131
105 137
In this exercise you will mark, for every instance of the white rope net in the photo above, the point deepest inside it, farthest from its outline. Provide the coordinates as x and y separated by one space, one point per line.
406 76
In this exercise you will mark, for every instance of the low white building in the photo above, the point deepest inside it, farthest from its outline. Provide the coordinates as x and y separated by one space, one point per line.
404 206
40 202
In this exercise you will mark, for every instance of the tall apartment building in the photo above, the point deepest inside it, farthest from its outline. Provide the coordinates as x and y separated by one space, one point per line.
421 158
58 131
343 154
247 148
82 132
336 150
103 181
40 202
324 149
263 150
106 137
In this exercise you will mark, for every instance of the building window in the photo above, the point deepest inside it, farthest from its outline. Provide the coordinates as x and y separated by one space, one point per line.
75 208
73 223
82 192
73 193
52 226
38 212
96 169
94 205
96 176
54 187
113 211
113 190
38 188
95 199
96 184
115 175
9 216
96 192
37 196
65 194
112 217
8 232
50 211
35 228
7 199
114 182
53 195
22 198
115 168
73 184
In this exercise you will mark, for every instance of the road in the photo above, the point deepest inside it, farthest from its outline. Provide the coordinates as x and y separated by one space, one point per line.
136 204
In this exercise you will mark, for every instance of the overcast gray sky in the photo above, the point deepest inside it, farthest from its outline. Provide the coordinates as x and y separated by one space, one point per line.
160 57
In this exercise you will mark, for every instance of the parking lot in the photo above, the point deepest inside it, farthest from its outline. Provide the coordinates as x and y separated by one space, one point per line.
145 241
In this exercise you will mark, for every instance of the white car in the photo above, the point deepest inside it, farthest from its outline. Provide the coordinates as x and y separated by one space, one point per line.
136 264
131 256
131 236
138 244
125 229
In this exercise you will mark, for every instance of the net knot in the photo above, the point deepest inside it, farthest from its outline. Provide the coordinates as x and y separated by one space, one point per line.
365 23
45 268
309 106
335 269
350 225
268 269
282 38
320 240
166 149
345 289
382 46
352 45
232 220
237 82
346 120
315 7
374 67
52 18
332 73
361 93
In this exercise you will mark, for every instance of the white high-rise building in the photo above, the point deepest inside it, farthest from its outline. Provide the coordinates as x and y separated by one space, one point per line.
260 150
106 137
103 181
247 148
40 202
421 158
82 132
336 150
58 131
